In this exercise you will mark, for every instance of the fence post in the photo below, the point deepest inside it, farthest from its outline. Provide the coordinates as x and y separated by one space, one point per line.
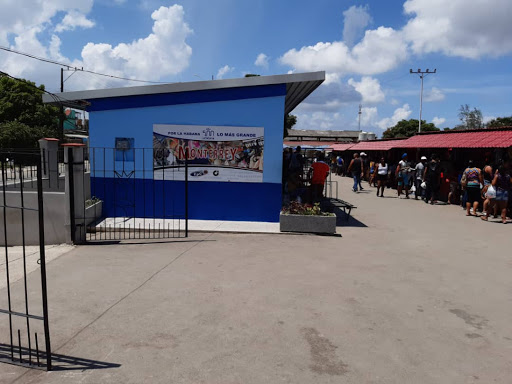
75 191
50 161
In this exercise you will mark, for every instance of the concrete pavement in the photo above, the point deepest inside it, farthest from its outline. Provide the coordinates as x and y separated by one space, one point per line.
411 293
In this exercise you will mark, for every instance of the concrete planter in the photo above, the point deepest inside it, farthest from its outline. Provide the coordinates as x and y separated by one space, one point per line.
93 212
307 224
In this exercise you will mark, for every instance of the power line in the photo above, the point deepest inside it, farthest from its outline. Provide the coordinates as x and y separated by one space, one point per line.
78 104
422 76
76 68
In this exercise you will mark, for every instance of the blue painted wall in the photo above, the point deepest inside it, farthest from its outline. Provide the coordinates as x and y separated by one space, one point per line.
258 106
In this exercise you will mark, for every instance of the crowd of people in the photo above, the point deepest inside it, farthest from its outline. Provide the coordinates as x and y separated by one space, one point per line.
484 191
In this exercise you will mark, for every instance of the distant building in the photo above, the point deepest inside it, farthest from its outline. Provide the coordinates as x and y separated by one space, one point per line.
322 136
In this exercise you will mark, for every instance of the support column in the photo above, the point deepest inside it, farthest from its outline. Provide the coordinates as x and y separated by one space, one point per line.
49 148
75 192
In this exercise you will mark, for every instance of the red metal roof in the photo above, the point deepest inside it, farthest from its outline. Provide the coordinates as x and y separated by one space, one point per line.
341 147
377 145
477 139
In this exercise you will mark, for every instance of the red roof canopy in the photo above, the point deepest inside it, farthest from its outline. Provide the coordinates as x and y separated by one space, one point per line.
377 145
476 139
341 147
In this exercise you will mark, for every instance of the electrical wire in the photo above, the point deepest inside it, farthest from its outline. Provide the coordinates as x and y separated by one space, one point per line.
76 68
78 104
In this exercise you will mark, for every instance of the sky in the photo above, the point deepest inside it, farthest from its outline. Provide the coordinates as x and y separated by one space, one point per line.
366 48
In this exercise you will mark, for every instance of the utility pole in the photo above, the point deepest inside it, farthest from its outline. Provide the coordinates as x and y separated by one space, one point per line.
422 76
61 128
360 106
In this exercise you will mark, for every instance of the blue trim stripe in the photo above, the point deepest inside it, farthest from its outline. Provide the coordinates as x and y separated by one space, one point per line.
192 97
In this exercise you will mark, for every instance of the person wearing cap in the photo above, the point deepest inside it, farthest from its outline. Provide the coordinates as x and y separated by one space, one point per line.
419 171
364 163
402 173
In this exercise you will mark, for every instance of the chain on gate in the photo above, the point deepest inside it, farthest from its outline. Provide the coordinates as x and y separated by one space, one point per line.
25 336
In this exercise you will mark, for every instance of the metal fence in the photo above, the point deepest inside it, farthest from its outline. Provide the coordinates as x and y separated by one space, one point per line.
132 196
24 331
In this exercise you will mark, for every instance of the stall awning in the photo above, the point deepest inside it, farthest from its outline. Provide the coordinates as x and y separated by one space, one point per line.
377 145
470 139
341 147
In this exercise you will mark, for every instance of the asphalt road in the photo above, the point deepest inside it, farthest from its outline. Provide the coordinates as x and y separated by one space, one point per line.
411 293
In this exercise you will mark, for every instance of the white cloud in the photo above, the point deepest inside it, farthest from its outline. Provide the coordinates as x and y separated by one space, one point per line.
435 94
319 120
369 116
369 88
486 119
379 51
72 20
163 52
394 102
437 121
224 71
401 113
355 20
262 60
18 17
470 29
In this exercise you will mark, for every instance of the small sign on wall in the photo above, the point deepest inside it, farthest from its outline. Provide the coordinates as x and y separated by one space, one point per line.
214 153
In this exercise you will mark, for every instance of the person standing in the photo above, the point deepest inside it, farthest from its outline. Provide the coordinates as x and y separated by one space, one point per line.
474 178
318 173
432 179
339 166
356 169
402 172
501 183
419 177
382 176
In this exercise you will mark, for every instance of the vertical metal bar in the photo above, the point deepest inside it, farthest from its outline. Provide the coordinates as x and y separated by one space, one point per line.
7 259
114 197
134 192
143 186
163 196
19 345
84 227
186 196
22 199
104 190
42 259
71 176
37 352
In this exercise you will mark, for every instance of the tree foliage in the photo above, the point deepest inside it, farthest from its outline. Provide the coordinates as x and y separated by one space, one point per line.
500 122
24 118
289 122
408 128
470 118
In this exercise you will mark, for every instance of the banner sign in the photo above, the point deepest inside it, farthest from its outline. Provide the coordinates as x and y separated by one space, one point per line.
214 153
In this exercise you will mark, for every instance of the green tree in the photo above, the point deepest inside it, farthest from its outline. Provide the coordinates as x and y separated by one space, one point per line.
22 108
500 122
470 118
289 122
408 128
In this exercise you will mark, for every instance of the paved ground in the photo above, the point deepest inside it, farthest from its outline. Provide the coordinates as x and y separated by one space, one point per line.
411 293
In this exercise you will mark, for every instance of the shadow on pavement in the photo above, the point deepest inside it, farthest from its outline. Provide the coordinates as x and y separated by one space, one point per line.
146 242
59 362
341 219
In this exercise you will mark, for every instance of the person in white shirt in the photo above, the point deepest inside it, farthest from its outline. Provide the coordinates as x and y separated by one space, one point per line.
382 176
419 170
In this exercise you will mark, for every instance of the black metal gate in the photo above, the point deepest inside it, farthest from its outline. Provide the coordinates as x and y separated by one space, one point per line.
24 332
128 196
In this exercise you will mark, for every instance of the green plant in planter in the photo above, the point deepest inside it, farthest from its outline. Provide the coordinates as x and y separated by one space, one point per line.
296 208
